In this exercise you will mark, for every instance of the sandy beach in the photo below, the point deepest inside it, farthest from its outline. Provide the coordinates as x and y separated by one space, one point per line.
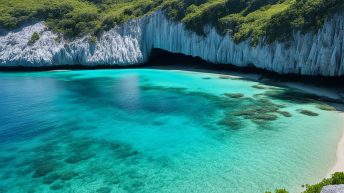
339 166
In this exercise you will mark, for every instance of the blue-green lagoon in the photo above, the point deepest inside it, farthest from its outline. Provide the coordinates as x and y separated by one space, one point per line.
146 130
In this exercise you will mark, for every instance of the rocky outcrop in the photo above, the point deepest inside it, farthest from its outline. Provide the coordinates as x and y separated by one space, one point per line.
333 189
318 53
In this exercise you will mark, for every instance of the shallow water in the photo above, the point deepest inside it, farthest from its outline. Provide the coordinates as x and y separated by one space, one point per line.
158 131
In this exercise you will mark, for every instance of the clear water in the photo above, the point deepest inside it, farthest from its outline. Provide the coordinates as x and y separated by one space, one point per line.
150 131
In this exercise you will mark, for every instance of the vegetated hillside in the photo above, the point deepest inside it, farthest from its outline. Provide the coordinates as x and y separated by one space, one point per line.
274 19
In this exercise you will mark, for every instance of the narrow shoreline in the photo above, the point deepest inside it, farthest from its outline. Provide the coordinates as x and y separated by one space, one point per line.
339 164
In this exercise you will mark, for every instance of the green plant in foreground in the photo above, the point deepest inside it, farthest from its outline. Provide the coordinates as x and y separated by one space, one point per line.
336 178
279 191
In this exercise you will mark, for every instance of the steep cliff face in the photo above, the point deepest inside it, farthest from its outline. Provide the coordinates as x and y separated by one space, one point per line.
131 43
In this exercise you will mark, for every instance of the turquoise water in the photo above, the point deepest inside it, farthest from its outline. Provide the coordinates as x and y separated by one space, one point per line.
145 130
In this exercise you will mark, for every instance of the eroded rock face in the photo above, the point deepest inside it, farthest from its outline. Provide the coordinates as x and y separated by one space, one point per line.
333 189
131 43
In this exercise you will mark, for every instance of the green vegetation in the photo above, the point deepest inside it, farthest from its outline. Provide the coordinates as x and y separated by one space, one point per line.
243 19
34 38
336 178
280 191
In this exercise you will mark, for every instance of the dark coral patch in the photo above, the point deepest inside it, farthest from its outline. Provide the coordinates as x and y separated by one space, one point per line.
104 190
51 178
56 186
68 175
260 111
325 107
258 86
308 112
234 95
285 113
79 157
224 77
230 122
43 170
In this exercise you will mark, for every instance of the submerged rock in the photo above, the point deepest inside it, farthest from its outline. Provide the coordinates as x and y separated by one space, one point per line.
51 178
104 190
325 107
44 170
56 186
231 122
308 112
261 110
79 157
68 175
235 95
285 113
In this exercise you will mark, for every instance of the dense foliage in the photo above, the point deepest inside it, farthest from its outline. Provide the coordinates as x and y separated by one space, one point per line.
243 19
336 178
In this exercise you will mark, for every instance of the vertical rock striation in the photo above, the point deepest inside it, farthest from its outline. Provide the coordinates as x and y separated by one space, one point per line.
318 53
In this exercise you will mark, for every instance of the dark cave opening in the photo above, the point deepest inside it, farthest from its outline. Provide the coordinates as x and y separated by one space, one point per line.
163 59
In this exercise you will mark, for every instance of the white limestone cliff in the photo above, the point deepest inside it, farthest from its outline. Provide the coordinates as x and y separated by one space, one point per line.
131 43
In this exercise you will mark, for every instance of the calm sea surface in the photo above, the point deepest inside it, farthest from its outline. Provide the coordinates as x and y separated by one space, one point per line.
143 130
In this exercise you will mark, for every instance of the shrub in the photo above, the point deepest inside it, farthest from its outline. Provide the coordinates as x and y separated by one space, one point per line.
34 38
336 178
